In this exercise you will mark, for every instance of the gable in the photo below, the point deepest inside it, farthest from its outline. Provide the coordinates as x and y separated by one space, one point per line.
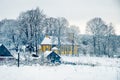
4 51
49 41
53 55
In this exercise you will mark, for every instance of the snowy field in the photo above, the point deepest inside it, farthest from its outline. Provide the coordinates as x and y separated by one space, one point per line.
108 69
95 61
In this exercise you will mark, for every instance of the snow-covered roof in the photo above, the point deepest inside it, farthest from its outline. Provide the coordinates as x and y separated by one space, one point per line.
0 44
47 53
53 40
54 48
46 40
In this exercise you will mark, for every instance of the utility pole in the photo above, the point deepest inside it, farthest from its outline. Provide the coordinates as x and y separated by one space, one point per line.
18 59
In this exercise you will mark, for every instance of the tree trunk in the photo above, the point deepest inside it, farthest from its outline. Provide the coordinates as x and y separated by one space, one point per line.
94 44
59 43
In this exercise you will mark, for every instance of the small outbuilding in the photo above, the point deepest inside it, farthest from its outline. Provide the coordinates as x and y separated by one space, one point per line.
4 53
52 57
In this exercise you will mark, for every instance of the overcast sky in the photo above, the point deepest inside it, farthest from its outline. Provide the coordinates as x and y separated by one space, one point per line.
77 12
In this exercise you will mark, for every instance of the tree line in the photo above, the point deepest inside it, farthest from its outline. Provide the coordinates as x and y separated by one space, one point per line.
31 26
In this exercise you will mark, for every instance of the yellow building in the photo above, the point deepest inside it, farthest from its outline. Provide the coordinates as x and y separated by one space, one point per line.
65 48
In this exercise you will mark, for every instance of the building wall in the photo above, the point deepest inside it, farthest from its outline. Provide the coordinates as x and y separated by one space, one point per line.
45 48
65 49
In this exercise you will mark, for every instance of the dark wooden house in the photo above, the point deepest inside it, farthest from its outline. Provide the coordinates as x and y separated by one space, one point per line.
53 57
4 53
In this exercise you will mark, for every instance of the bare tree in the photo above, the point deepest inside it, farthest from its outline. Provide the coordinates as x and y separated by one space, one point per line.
73 34
62 23
97 28
31 23
51 26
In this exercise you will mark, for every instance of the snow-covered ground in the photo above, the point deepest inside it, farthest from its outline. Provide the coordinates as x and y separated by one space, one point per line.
108 69
62 72
96 61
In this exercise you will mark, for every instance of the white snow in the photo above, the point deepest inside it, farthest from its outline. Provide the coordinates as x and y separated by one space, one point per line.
53 40
98 61
46 40
106 69
62 72
54 48
47 53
